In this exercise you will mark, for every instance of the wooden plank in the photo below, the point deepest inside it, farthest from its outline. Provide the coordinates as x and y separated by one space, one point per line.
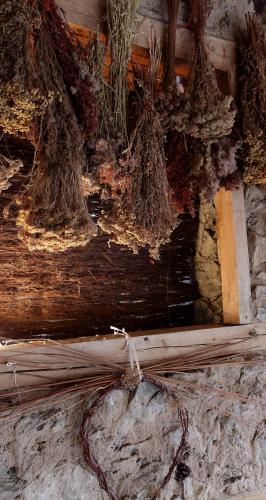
260 495
150 347
233 255
91 15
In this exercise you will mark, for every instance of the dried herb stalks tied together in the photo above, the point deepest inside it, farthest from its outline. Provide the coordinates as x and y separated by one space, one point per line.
121 29
252 78
203 111
53 214
142 216
20 103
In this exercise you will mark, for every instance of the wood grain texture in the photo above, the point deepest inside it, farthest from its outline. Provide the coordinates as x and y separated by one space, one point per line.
92 15
261 495
233 255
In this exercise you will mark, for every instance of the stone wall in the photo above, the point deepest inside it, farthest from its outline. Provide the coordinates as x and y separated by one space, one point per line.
134 441
255 201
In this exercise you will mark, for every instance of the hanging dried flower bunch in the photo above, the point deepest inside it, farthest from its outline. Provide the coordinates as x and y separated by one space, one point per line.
19 103
252 78
203 111
74 60
179 152
208 114
8 168
142 216
53 214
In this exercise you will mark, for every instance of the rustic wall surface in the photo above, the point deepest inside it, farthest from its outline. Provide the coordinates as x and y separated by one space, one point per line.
223 22
209 308
134 441
255 201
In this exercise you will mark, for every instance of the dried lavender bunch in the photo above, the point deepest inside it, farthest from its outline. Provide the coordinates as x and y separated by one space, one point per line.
142 216
252 85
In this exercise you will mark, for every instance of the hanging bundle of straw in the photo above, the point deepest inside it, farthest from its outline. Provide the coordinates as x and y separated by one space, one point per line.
121 16
8 168
252 85
99 376
53 215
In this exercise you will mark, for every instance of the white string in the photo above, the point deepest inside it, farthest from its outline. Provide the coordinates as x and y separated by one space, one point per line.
13 365
132 354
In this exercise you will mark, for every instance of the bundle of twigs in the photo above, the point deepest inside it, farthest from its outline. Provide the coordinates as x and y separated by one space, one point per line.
98 376
53 215
8 168
252 85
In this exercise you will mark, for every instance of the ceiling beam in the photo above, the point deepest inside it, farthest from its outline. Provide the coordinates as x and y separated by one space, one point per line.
89 15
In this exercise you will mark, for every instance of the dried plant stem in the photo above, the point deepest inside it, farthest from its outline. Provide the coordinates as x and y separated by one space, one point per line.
169 69
121 29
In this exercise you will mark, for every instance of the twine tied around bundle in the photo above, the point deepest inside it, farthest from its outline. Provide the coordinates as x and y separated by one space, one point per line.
133 374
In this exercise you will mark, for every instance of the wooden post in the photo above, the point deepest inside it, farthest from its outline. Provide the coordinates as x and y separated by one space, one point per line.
233 255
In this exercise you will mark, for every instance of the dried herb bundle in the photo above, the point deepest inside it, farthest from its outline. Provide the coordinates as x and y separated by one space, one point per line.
74 60
8 168
143 215
203 111
121 17
179 153
252 78
53 215
195 168
210 114
20 103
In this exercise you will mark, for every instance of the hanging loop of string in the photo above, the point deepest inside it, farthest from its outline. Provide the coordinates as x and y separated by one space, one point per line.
132 353
13 366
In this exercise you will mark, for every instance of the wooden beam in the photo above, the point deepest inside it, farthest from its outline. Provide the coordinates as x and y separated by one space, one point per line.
233 255
260 495
90 15
150 347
